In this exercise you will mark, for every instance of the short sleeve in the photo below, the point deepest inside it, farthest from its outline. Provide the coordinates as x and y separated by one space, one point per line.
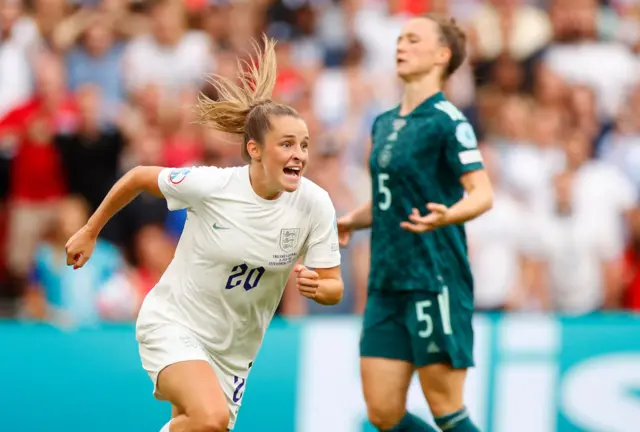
322 248
461 148
187 187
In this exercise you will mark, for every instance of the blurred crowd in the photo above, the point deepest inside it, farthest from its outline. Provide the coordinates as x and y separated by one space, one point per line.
92 88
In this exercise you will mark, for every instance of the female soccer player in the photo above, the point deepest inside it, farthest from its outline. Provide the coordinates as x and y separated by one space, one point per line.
420 302
201 326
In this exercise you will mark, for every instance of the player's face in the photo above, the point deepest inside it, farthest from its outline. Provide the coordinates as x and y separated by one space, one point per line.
419 49
285 152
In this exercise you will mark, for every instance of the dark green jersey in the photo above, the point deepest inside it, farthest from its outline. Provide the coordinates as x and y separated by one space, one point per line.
415 160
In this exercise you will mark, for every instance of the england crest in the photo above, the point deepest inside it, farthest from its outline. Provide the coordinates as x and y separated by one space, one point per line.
289 239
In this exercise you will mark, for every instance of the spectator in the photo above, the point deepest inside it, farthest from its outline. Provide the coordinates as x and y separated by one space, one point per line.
153 253
621 146
91 156
497 242
509 27
610 68
18 37
37 180
579 255
598 181
170 57
631 264
61 295
94 57
551 88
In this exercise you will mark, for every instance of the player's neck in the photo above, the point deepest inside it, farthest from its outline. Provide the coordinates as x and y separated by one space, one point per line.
259 183
418 91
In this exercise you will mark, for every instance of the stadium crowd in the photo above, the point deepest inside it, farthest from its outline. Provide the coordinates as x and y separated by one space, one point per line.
92 88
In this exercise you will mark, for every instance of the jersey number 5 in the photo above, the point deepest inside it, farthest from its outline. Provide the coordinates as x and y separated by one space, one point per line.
249 282
423 315
385 202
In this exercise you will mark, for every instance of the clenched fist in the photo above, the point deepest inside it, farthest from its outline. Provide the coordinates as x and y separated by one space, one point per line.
307 281
80 247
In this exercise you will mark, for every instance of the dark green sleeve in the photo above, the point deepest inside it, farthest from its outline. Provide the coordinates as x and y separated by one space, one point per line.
461 148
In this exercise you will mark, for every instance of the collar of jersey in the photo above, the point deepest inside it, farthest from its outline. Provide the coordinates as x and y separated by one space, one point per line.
425 106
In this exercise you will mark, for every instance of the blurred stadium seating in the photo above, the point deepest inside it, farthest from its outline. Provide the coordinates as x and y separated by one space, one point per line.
89 89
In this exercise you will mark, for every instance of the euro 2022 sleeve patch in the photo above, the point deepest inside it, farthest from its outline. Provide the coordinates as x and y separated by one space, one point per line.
177 175
466 136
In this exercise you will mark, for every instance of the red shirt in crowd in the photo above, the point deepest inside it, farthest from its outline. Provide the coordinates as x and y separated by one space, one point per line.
632 273
36 169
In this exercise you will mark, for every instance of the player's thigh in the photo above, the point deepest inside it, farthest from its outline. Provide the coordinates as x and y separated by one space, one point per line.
385 383
192 387
182 373
386 363
442 336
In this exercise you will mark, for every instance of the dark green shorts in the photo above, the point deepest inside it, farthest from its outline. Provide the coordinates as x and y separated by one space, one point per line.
422 328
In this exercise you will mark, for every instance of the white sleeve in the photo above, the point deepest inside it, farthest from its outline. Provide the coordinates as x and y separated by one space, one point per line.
187 187
322 248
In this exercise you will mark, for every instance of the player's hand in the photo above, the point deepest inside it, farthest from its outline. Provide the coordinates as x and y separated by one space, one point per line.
419 224
80 247
345 229
307 281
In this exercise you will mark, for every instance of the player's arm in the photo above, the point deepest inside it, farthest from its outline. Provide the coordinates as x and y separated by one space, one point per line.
139 179
180 189
360 218
465 160
477 200
322 285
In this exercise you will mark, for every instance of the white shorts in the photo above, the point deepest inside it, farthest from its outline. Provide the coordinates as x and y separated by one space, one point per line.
166 344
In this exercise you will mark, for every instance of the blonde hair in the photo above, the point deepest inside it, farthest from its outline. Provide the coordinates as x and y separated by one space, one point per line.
245 108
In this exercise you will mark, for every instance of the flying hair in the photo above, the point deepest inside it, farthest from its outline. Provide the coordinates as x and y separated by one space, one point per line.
257 80
245 108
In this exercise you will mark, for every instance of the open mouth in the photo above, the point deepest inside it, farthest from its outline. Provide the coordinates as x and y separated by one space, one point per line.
293 172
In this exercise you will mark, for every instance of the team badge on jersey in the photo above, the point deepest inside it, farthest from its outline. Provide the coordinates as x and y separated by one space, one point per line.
385 156
289 239
177 175
465 136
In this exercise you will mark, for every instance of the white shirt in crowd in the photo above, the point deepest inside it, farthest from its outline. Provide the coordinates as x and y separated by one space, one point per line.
234 258
496 242
599 187
16 80
171 68
611 69
574 248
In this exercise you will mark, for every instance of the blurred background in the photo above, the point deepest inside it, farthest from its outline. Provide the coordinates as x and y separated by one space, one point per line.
92 88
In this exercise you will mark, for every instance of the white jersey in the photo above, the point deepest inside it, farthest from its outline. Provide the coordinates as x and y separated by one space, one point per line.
234 257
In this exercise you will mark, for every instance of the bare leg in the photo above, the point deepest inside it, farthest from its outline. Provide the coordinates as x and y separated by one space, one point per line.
195 393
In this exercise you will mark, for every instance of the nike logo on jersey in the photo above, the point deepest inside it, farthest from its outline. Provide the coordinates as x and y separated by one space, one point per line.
218 227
